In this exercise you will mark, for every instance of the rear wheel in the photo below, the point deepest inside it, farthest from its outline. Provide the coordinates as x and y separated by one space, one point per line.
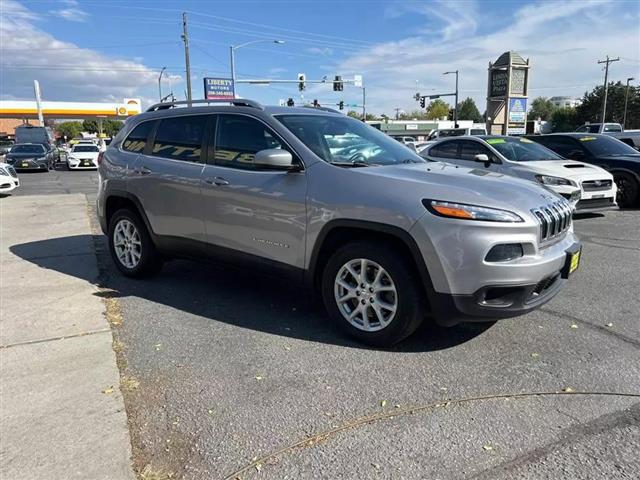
372 293
628 189
131 246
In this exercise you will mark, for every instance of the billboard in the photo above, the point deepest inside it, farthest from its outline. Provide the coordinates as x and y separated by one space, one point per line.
499 81
517 110
219 89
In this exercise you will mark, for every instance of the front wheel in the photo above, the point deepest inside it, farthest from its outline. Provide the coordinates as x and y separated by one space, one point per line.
628 189
131 246
373 293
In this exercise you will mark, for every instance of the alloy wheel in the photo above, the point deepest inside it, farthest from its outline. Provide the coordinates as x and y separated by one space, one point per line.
366 295
127 244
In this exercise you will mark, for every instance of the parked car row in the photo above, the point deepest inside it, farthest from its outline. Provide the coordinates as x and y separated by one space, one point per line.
36 156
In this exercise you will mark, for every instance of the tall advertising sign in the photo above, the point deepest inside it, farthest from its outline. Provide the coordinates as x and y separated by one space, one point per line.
507 92
219 89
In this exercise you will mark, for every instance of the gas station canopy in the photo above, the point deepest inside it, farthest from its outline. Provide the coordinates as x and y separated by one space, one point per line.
27 109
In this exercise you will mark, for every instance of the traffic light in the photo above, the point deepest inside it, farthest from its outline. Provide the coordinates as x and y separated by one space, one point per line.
290 102
341 105
417 97
301 80
338 86
315 103
422 102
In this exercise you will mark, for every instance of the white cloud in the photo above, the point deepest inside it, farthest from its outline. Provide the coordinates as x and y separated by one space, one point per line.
564 40
70 11
65 71
324 51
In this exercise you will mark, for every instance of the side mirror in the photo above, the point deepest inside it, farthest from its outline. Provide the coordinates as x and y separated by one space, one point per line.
482 158
274 159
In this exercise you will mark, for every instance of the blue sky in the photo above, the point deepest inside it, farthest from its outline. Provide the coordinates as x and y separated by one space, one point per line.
110 49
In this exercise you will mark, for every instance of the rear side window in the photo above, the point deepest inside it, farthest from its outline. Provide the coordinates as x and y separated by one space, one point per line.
180 138
239 139
445 150
137 139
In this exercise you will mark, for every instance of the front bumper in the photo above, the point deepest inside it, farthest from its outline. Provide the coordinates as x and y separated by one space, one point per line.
30 164
465 287
8 183
82 164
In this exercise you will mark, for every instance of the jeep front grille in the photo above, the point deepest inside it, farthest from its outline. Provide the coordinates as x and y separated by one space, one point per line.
554 220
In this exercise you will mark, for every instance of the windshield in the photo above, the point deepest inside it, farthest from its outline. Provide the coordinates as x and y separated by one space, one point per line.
603 145
346 141
477 131
27 149
85 148
454 132
522 149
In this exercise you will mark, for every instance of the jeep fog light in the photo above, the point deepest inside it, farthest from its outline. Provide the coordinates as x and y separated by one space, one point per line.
505 252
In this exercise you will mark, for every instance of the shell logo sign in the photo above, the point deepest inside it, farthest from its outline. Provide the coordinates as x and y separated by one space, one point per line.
122 111
132 106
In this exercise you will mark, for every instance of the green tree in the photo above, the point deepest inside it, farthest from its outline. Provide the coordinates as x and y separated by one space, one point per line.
353 114
590 110
467 110
413 115
90 126
437 109
111 127
541 108
371 117
564 120
69 129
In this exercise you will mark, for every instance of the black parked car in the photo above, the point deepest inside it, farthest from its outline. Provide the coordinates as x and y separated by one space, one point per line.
621 160
30 156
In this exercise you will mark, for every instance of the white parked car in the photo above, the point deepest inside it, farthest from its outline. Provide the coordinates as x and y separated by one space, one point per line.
456 132
8 178
83 156
521 157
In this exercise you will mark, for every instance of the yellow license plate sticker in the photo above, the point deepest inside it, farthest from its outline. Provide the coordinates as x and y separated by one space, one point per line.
575 262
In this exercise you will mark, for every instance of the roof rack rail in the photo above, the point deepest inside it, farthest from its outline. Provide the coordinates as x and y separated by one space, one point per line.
324 109
238 102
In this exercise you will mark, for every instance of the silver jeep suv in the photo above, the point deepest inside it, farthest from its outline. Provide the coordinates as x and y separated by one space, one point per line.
385 236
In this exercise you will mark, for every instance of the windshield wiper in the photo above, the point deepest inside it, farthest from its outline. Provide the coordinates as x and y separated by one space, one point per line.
355 164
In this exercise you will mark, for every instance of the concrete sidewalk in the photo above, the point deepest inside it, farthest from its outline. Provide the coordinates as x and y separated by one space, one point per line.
61 411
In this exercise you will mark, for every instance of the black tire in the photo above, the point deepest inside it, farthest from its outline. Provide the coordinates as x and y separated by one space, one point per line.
411 305
628 189
150 261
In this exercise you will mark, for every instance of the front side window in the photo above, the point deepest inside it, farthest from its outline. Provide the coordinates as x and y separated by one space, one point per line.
444 150
238 140
365 145
137 139
180 138
469 149
561 145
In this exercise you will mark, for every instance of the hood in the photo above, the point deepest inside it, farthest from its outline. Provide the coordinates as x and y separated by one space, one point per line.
26 155
570 169
84 155
440 181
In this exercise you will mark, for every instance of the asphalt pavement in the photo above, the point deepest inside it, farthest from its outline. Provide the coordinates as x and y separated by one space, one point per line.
244 376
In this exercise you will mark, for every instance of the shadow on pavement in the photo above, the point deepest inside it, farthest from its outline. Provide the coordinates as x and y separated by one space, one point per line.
225 295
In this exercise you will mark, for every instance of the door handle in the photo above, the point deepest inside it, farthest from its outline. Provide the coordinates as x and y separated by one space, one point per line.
142 170
218 181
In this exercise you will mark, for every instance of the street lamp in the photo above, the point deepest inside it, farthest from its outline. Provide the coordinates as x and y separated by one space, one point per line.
455 107
159 83
626 99
232 49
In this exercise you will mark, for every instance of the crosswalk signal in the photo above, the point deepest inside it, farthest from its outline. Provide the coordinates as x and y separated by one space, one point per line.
422 102
290 102
301 79
341 105
338 86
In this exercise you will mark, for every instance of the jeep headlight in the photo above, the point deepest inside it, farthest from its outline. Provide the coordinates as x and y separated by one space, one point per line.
470 212
553 181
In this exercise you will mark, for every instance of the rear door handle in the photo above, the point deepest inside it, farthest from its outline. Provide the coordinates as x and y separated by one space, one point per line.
142 170
219 181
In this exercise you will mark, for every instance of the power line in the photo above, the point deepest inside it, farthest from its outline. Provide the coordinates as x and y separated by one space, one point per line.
92 47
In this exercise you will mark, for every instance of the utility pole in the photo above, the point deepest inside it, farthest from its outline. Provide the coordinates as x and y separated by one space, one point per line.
364 103
606 83
398 110
185 38
626 99
160 84
455 106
